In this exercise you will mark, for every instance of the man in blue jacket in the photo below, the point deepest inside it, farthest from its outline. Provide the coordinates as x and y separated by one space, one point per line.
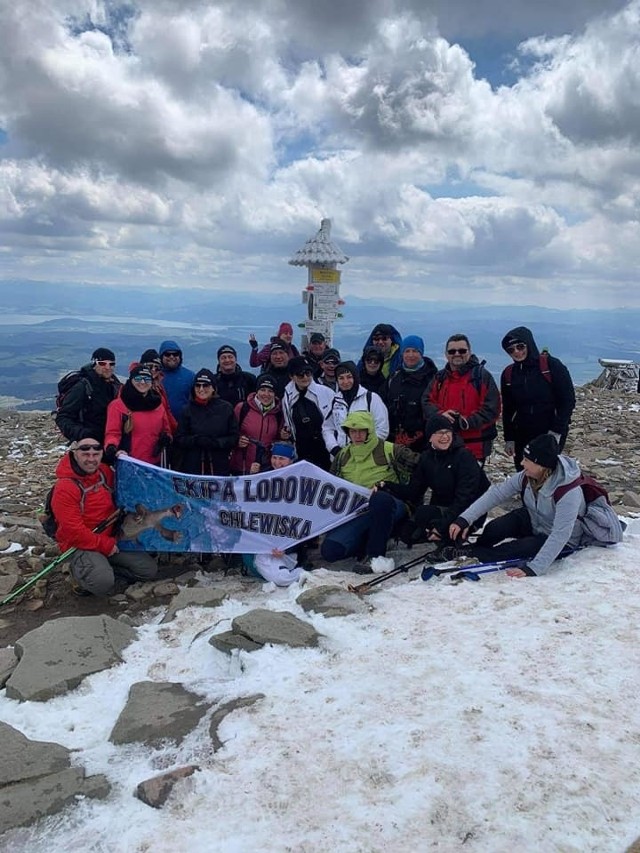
177 380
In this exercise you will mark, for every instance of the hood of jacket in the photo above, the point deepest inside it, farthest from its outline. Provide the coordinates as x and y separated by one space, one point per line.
170 346
521 333
360 420
566 471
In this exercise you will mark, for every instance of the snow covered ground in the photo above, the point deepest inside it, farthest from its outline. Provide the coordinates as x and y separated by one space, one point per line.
493 716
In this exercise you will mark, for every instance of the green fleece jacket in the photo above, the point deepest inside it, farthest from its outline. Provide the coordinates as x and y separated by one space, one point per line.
366 464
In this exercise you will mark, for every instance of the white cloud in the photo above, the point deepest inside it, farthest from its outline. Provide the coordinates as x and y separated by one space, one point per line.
185 139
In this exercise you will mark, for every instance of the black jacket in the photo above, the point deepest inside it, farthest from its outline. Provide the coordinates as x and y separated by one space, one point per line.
83 413
531 404
280 376
454 477
206 435
403 398
235 387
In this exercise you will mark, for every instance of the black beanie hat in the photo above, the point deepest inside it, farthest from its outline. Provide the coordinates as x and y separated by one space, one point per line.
227 348
151 356
205 375
103 354
371 352
543 450
299 364
437 422
383 329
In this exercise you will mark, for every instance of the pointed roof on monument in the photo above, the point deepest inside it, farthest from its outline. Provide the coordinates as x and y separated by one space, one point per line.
319 249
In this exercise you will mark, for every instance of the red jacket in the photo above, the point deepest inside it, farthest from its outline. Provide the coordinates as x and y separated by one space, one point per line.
473 393
77 517
148 426
264 428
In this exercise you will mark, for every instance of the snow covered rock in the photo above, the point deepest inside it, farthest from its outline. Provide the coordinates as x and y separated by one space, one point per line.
156 711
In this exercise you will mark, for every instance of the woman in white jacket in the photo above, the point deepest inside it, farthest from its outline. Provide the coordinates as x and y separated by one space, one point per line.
352 397
307 408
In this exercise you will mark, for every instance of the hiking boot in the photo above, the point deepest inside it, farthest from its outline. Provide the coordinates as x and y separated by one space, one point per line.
454 552
78 590
363 567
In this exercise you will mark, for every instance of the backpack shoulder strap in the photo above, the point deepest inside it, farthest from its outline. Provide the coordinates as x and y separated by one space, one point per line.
507 373
544 367
368 400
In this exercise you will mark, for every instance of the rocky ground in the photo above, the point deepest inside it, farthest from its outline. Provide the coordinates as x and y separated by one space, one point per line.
605 437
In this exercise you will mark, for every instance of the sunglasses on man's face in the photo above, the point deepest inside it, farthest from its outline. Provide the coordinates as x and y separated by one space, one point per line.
516 348
303 373
106 363
203 385
171 355
457 351
89 448
381 338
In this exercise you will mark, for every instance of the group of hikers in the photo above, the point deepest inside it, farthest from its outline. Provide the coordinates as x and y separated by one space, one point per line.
392 423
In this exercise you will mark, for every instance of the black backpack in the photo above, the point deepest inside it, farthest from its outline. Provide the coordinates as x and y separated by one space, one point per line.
69 381
46 515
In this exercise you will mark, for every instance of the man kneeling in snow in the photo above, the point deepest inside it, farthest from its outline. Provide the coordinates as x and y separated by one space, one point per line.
366 461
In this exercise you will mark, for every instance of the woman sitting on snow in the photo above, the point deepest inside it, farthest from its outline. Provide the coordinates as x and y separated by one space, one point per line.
546 524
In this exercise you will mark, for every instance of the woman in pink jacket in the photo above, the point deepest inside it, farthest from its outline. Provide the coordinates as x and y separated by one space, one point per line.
137 422
260 418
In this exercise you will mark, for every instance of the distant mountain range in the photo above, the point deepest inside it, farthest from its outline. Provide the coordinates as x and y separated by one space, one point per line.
48 329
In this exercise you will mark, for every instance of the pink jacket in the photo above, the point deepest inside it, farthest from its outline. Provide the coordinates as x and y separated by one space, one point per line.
264 428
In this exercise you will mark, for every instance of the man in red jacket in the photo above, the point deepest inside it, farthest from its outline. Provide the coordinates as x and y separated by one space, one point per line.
467 396
82 498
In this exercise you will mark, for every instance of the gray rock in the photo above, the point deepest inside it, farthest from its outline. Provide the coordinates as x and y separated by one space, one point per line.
155 792
158 711
197 596
24 759
8 662
228 642
24 802
9 566
165 588
7 583
631 499
331 601
224 710
281 628
58 655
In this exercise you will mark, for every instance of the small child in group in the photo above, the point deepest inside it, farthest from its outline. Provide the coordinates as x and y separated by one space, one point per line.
279 567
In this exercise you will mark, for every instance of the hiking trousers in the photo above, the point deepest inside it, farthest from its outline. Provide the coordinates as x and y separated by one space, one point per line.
515 526
97 573
368 533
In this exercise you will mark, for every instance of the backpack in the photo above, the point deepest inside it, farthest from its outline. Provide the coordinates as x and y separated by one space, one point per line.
543 363
384 453
600 524
69 381
476 376
46 515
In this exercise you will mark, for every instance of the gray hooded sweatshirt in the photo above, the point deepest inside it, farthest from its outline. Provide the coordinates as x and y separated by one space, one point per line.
559 522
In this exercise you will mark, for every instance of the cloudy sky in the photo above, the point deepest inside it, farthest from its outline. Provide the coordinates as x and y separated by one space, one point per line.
484 150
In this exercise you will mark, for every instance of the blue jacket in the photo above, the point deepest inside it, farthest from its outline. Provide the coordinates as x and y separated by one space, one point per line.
395 362
177 383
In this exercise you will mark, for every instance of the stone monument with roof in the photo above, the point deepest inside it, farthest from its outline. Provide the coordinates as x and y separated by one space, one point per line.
322 294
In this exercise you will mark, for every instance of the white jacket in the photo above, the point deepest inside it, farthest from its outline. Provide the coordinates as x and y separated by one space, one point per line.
323 398
360 403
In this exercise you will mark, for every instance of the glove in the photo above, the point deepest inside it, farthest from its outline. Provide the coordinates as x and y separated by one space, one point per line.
510 448
109 455
556 435
164 440
253 344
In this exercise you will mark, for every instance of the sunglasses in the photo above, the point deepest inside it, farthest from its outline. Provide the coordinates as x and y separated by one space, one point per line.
381 338
170 355
145 379
303 373
88 448
458 351
516 348
106 363
203 385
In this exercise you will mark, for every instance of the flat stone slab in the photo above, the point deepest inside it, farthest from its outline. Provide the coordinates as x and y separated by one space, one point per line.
8 662
23 803
223 711
155 792
24 759
157 711
58 655
228 642
196 596
280 628
7 583
331 601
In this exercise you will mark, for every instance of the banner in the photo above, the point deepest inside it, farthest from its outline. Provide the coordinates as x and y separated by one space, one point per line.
171 511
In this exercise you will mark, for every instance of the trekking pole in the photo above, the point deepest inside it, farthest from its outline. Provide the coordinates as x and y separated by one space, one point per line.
365 587
469 573
58 560
493 566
